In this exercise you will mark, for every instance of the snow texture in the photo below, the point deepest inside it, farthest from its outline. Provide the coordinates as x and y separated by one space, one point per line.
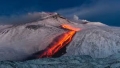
17 42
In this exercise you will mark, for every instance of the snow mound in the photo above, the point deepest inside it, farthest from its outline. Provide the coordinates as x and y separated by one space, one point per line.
96 23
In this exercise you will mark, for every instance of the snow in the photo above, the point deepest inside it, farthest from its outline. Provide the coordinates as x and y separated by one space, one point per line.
17 42
96 23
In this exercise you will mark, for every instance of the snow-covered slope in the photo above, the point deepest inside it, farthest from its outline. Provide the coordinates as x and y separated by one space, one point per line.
20 41
97 42
17 42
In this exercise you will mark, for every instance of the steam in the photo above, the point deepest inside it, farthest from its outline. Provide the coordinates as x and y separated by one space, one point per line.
75 17
85 11
20 19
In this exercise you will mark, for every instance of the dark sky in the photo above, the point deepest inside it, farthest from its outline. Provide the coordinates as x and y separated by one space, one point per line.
8 7
106 11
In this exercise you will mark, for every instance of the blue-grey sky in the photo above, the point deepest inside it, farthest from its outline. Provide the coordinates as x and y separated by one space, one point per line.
20 11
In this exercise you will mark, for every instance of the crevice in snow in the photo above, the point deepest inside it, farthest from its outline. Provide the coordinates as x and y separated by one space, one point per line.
33 27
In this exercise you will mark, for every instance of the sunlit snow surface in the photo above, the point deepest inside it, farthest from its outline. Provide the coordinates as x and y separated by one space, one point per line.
17 42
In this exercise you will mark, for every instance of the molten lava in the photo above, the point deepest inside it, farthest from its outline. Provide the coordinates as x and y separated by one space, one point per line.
69 27
59 42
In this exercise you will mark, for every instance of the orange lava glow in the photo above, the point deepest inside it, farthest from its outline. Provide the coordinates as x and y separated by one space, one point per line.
69 27
59 42
56 45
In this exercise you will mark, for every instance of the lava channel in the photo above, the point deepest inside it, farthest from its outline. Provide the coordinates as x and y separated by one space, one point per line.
59 42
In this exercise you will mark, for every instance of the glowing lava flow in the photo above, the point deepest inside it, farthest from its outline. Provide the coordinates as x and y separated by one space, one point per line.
59 42
69 27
